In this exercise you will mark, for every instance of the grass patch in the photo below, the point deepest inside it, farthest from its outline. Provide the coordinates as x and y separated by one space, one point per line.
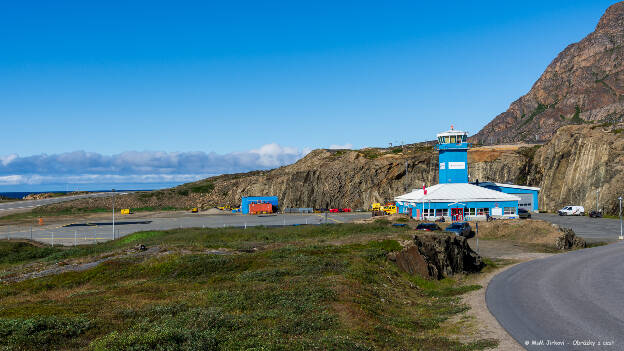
296 292
538 110
576 118
596 244
19 252
203 188
370 154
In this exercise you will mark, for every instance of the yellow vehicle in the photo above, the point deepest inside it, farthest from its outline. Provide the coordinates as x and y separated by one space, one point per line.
126 211
194 210
389 209
224 208
376 207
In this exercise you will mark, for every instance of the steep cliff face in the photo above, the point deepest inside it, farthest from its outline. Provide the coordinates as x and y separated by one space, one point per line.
578 161
585 82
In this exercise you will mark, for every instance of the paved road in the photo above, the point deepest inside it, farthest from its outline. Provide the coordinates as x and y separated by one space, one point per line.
26 204
101 230
576 296
591 229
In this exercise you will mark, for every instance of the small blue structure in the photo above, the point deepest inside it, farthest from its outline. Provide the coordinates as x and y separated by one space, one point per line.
258 199
527 194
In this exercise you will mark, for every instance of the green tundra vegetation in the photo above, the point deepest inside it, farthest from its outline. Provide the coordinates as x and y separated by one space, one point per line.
292 288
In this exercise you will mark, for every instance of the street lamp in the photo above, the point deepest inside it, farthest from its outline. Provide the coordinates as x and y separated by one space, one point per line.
621 235
113 214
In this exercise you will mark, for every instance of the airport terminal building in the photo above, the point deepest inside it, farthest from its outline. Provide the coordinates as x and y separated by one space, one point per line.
454 198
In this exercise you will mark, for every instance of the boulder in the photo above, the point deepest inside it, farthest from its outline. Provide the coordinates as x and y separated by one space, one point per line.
438 256
569 241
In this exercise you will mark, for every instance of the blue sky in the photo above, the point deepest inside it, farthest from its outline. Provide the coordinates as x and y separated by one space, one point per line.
229 79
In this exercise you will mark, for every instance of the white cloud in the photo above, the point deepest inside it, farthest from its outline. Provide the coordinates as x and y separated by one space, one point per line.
5 160
345 146
80 167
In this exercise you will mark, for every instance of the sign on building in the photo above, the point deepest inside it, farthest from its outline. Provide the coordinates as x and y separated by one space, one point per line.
457 165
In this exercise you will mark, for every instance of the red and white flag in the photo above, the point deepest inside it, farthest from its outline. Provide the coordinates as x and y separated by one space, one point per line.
424 189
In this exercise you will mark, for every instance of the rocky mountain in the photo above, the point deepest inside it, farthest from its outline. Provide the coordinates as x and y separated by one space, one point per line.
584 83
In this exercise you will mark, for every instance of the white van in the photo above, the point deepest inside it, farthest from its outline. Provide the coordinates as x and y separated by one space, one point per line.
572 211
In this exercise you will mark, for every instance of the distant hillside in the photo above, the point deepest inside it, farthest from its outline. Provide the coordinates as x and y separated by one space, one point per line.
569 169
584 83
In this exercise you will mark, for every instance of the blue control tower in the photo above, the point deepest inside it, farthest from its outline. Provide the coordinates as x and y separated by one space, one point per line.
453 156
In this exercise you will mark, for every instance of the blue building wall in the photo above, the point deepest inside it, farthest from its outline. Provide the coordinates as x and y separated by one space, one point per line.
453 160
510 190
256 199
404 208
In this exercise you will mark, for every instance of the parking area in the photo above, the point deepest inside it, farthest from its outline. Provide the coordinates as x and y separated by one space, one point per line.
88 232
590 229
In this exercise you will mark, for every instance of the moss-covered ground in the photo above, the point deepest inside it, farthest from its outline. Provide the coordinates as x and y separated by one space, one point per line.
296 288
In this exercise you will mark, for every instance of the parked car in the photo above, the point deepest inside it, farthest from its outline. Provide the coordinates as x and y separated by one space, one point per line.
461 229
429 227
334 210
346 210
595 214
572 211
522 213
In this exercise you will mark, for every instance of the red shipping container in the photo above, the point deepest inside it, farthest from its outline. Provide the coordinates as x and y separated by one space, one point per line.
260 208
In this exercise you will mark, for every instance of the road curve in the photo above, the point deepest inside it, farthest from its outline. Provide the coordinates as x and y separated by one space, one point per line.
575 298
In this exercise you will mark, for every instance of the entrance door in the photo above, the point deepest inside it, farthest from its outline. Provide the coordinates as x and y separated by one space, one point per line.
457 214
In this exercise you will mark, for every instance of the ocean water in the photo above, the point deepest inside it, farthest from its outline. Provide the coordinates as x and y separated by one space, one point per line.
21 194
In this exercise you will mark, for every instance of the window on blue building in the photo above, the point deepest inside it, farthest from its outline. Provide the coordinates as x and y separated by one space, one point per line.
510 210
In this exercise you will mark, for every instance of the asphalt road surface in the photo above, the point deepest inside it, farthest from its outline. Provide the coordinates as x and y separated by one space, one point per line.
13 206
102 230
571 301
590 229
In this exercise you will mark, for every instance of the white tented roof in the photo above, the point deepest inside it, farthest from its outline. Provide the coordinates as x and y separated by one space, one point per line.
503 185
454 192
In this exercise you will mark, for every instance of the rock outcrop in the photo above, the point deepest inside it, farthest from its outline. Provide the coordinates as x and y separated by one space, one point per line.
584 83
569 241
577 163
437 256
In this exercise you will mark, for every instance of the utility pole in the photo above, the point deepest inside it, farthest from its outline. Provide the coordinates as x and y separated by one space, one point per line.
113 214
597 192
621 235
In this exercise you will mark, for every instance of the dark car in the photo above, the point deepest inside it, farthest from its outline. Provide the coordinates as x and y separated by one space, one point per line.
522 213
461 229
595 214
430 227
